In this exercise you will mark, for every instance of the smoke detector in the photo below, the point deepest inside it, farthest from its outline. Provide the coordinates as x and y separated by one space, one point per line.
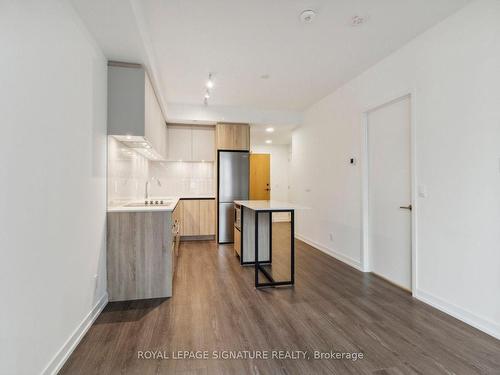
307 16
357 20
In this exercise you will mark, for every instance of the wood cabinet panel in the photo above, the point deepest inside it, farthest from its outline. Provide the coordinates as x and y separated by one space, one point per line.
232 136
207 217
237 241
177 218
190 217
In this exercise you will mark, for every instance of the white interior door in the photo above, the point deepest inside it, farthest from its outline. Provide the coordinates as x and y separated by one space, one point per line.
389 186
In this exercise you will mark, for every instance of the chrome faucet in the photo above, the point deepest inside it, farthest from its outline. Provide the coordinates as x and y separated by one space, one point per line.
146 188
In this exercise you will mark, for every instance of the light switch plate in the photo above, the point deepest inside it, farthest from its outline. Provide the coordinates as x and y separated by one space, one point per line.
422 191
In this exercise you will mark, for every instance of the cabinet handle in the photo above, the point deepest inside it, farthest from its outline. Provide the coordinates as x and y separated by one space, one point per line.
406 207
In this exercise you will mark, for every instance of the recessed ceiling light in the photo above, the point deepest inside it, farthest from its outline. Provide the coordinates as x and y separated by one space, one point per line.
307 16
264 76
129 137
268 141
207 95
269 130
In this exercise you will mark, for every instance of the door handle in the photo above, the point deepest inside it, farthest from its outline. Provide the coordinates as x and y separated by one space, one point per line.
406 207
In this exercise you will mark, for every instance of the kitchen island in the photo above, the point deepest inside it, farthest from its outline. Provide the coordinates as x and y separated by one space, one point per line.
254 237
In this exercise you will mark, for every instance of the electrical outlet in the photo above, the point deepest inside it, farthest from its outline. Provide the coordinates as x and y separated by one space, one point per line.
96 281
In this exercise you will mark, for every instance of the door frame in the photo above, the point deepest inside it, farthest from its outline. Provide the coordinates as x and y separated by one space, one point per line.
365 189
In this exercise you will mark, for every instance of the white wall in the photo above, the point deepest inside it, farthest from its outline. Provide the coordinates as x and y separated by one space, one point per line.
453 70
52 191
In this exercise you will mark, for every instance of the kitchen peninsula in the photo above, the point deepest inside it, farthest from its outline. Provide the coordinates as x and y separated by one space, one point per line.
254 237
142 250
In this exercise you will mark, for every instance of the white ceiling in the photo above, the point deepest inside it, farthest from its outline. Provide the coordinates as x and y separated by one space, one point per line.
282 135
181 41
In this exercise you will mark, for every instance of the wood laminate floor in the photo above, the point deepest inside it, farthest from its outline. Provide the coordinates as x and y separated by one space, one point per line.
331 308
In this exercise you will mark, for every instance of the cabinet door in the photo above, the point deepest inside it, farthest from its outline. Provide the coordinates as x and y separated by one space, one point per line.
233 136
155 127
190 217
207 217
203 144
162 130
179 143
177 215
237 241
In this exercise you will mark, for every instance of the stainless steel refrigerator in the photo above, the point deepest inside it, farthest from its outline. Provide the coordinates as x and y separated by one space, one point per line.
233 173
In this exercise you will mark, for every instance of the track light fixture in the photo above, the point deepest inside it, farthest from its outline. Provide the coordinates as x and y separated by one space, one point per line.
209 85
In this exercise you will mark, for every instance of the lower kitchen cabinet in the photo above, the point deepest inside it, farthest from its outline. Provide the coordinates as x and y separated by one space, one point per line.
190 217
237 241
140 255
198 217
207 217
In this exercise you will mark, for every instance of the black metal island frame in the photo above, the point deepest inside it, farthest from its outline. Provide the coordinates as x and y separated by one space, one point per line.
254 221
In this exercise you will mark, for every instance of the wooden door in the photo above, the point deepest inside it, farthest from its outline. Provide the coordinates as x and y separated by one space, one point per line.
260 179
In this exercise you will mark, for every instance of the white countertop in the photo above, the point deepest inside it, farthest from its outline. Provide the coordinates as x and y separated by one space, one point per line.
124 206
269 205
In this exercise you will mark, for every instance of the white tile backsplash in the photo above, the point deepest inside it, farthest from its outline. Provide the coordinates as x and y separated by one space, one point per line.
182 178
128 172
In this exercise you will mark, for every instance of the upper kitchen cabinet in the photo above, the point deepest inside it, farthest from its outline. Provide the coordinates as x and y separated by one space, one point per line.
191 143
203 143
232 136
179 143
134 114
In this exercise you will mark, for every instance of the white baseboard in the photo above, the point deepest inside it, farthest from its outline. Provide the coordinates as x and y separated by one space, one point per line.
343 258
484 325
63 354
489 327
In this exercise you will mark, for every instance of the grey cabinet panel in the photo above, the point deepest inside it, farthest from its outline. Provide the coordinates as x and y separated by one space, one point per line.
139 255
